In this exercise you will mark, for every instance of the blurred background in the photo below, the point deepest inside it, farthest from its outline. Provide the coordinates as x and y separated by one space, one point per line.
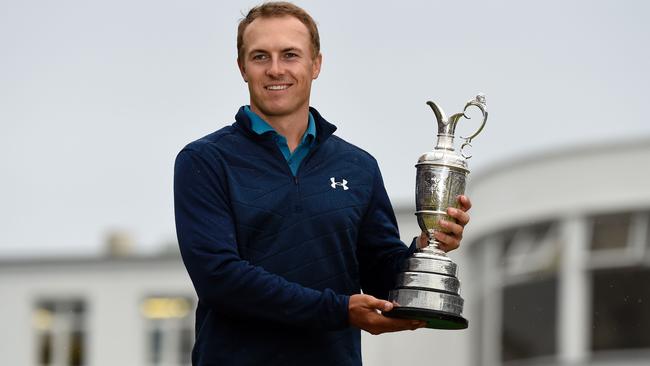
98 97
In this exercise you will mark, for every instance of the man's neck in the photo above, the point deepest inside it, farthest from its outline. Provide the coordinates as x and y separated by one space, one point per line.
292 127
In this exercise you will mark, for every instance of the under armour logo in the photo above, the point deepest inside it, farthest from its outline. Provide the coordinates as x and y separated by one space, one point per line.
343 184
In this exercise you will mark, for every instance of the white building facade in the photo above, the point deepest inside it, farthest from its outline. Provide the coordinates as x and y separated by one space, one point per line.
139 311
555 270
560 251
104 312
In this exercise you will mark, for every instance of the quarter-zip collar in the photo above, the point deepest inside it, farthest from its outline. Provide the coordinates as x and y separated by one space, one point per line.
324 129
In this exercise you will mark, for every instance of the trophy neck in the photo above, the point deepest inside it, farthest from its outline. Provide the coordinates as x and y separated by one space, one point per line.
445 142
431 252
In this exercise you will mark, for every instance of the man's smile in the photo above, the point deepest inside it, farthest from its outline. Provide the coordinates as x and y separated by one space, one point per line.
277 87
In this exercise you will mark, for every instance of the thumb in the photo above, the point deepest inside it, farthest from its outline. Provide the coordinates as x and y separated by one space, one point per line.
378 304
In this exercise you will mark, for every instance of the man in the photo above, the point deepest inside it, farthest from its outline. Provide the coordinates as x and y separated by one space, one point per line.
281 224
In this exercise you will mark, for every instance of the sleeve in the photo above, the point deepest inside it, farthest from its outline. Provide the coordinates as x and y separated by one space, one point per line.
380 250
223 280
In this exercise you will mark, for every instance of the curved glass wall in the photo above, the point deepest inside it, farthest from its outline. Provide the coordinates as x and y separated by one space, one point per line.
562 291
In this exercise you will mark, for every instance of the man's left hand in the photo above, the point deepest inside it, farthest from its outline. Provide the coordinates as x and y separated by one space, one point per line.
453 232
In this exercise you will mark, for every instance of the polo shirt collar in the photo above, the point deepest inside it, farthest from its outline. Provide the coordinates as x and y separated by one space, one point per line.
260 126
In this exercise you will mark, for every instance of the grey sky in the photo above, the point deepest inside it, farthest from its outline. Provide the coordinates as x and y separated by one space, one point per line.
96 98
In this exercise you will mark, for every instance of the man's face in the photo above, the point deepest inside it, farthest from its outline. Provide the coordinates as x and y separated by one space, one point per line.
278 65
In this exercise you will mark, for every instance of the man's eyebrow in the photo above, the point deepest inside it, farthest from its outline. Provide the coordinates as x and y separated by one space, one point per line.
284 50
288 49
257 50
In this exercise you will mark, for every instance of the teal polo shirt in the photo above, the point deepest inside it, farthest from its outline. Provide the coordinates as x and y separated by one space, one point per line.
260 126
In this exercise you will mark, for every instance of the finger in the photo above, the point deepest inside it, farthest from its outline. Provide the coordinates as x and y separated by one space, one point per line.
386 325
461 216
447 242
405 324
379 304
423 240
465 203
452 228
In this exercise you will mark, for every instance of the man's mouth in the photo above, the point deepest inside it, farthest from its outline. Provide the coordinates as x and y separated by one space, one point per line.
277 87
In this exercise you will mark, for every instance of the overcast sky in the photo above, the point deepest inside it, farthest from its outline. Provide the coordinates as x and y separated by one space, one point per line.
97 97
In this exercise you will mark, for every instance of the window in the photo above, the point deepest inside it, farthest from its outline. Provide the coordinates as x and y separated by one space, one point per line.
529 298
60 333
620 316
531 250
610 231
528 320
599 290
170 329
621 309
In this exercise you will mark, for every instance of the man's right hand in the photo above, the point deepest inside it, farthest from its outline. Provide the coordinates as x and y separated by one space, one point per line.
364 312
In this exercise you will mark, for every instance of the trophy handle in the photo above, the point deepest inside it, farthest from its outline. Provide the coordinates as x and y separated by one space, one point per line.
478 102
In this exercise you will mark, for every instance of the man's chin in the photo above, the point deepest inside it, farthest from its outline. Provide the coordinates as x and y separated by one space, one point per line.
280 110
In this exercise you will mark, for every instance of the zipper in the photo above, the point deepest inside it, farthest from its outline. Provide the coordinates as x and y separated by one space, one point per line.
312 151
304 161
275 150
297 207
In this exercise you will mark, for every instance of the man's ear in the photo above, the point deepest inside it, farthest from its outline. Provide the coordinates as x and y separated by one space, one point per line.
318 61
242 69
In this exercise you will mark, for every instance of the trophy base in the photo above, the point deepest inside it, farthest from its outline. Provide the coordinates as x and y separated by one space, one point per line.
427 289
435 319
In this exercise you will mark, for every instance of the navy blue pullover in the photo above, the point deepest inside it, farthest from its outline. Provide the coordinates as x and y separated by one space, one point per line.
273 257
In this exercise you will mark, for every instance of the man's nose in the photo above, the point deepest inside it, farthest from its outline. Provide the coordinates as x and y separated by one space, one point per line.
275 68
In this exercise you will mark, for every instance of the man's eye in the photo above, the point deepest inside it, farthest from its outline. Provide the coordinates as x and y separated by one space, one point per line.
259 57
290 55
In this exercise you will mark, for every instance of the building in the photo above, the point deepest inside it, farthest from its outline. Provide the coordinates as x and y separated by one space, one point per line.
103 311
129 310
554 267
560 252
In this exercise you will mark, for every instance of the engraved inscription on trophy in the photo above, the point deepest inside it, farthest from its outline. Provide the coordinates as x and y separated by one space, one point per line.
457 185
427 287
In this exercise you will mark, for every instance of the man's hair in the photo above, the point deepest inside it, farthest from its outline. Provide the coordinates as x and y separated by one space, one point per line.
277 9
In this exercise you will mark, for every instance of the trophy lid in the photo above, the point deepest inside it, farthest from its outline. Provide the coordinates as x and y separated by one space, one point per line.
444 153
443 158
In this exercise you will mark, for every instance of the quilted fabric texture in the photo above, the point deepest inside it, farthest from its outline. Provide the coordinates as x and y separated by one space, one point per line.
274 257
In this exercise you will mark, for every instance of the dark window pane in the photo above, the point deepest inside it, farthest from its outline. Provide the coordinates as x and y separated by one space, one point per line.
647 233
621 309
76 350
610 231
508 238
155 345
536 233
45 348
65 342
77 307
46 305
186 339
529 319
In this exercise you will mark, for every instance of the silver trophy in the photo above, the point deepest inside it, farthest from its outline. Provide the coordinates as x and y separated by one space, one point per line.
427 287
